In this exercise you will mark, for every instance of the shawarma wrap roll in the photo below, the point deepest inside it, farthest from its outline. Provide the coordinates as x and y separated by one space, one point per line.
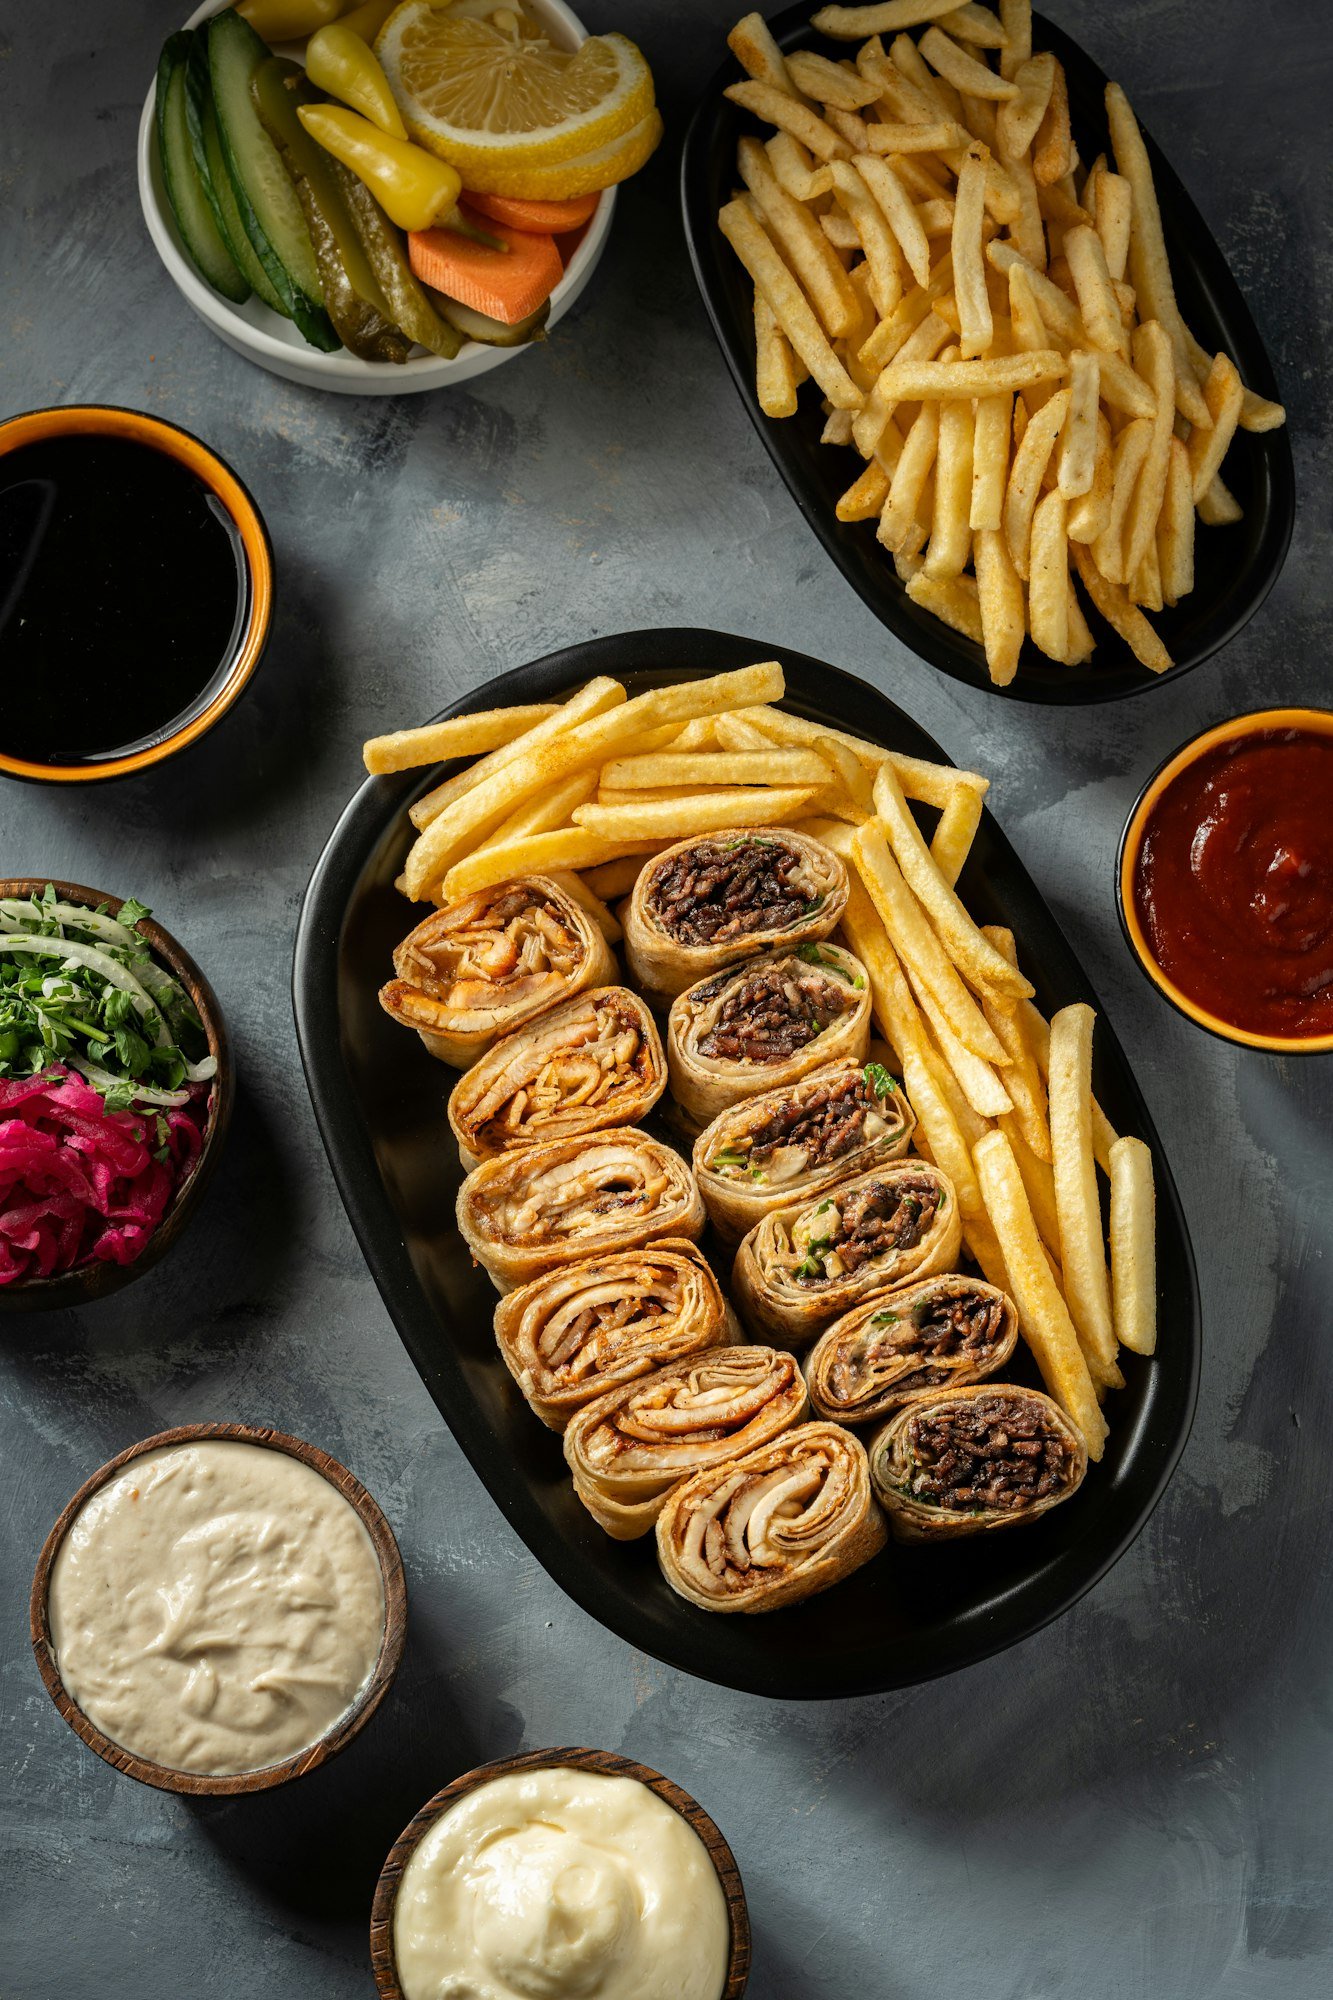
899 1347
591 1063
765 1024
532 1210
795 1274
629 1449
781 1149
774 1526
966 1461
482 967
573 1334
717 898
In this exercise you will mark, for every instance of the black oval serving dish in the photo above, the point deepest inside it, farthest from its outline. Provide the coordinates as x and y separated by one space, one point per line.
379 1098
1235 567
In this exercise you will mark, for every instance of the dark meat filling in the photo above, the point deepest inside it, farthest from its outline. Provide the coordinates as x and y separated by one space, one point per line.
992 1452
885 1216
717 891
957 1327
827 1123
769 1016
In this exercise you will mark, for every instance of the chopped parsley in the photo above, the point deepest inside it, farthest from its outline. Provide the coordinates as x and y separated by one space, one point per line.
878 1081
811 954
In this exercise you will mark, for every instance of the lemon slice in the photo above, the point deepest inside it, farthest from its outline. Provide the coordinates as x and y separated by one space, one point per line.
587 173
497 99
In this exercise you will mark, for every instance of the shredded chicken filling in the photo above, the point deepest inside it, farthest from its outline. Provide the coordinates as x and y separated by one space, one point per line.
767 1016
760 1520
590 1063
571 1197
999 1453
720 890
509 950
665 1424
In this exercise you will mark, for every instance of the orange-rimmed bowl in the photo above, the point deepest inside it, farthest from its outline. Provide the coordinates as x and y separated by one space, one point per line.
1315 721
105 420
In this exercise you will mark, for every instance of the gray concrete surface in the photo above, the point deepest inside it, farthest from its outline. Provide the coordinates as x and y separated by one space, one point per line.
1134 1802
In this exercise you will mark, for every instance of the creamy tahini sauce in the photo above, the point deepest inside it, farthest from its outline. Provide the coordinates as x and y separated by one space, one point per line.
216 1607
561 1885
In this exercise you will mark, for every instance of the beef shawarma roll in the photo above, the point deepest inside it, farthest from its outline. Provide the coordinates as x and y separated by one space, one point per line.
773 1527
764 1025
482 967
898 1347
591 1063
539 1207
782 1148
719 897
794 1274
966 1461
630 1448
573 1334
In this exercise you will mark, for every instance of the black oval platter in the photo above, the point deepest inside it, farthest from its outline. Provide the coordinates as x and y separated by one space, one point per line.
1235 567
379 1099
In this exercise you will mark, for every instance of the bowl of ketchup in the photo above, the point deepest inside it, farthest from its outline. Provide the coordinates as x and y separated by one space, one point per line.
1225 880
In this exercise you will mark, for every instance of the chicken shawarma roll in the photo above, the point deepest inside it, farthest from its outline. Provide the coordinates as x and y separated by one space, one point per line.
782 1148
629 1449
794 1274
764 1025
944 1332
573 1334
773 1527
719 897
529 1211
965 1461
482 967
591 1063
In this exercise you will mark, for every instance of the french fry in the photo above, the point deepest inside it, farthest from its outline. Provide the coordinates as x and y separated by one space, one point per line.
1082 1256
548 810
1219 506
1048 576
1120 386
850 773
574 885
1123 617
1016 20
981 1088
691 769
985 968
866 496
963 71
849 24
969 268
1097 301
1081 645
1090 514
828 82
790 114
1053 154
896 136
950 535
1025 478
1115 207
990 461
789 305
1039 1186
689 813
1131 451
611 880
460 736
595 698
1224 396
1155 362
1001 604
1038 1035
915 463
1146 588
1078 433
952 599
774 364
895 204
957 829
1133 1251
756 51
1043 1316
563 850
913 381
978 26
792 164
802 242
868 424
1175 528
891 334
1018 121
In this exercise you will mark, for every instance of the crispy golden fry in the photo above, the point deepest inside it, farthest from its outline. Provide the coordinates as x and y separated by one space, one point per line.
990 461
1146 587
1124 617
1037 1032
692 769
1018 121
890 336
1082 1255
900 137
790 308
575 886
976 25
1133 1251
850 774
565 849
789 114
1175 528
1016 20
963 71
593 699
792 164
977 1081
688 813
1154 361
829 83
1039 1186
1082 645
1090 515
913 381
969 266
985 968
1026 476
756 51
1115 208
1053 154
1219 506
1120 386
853 186
866 495
868 424
849 24
952 599
798 235
1078 434
1259 414
1224 396
950 534
914 466
613 879
774 364
1042 1314
895 204
1000 601
1097 301
1022 1078
1131 451
460 736
1048 576
548 810
837 428
957 829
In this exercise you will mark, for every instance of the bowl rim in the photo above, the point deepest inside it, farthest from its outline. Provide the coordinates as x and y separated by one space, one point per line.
1317 720
166 1778
342 370
208 465
86 1282
606 1762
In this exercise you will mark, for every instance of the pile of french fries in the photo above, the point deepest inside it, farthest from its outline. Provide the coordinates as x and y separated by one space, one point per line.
993 328
588 789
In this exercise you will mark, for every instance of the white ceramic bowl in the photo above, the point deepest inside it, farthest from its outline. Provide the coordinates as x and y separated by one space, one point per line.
265 337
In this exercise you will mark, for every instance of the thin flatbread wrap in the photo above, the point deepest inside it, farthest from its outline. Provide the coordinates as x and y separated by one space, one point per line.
781 1149
529 1211
899 1347
716 898
967 1461
629 1449
590 1063
765 1024
795 1274
482 967
575 1333
774 1526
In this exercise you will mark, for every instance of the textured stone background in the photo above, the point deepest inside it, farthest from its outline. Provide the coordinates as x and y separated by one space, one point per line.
1136 1800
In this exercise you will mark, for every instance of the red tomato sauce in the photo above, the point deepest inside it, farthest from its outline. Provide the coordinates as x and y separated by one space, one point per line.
1233 885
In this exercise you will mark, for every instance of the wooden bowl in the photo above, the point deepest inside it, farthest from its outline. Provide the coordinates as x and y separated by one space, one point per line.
382 1960
96 1280
228 1784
